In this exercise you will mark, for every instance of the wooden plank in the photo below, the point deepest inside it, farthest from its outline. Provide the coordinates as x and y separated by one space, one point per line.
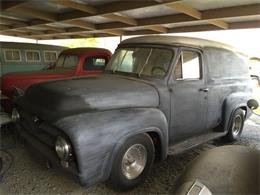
186 9
9 5
47 27
157 28
220 13
5 27
36 13
75 5
219 23
114 32
81 23
121 18
4 20
216 14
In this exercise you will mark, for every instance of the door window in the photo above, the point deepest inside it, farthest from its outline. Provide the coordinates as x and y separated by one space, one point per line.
188 66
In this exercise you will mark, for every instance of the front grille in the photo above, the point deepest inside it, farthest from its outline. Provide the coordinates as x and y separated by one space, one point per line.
39 129
44 133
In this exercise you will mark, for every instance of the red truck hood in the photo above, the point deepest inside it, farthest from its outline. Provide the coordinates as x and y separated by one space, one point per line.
25 79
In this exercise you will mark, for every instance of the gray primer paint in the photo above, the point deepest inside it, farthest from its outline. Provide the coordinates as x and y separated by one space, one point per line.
98 113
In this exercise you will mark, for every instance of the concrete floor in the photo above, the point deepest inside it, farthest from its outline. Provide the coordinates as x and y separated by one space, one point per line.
29 176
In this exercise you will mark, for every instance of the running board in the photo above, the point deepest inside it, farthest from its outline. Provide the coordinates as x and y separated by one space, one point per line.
193 142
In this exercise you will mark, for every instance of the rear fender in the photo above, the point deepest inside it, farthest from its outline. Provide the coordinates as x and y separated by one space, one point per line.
233 102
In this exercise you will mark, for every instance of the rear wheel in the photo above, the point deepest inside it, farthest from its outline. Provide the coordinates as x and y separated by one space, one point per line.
236 126
133 162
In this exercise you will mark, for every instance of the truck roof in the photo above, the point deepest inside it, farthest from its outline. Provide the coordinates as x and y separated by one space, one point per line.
177 40
84 50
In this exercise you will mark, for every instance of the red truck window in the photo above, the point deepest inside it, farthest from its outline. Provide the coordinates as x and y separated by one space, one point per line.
95 63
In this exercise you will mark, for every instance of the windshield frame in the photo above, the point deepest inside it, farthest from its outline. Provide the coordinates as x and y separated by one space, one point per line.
172 49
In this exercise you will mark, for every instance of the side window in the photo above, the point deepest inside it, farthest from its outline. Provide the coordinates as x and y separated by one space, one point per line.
32 56
94 63
50 56
188 66
12 55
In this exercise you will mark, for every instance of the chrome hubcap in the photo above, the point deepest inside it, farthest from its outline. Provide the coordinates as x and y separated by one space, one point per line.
237 125
134 161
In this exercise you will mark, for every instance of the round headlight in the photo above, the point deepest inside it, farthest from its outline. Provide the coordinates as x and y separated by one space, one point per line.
15 115
62 148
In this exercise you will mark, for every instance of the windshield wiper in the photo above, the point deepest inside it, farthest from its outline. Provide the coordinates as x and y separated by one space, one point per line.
146 61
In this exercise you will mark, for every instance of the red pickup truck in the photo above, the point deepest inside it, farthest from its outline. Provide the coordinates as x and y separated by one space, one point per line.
70 63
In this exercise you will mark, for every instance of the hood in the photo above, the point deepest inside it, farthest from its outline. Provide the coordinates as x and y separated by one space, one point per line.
61 98
24 79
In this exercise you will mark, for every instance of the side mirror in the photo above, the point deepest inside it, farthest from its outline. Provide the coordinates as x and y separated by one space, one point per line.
252 104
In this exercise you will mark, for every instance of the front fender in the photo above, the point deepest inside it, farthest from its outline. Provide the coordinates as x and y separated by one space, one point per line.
232 102
97 136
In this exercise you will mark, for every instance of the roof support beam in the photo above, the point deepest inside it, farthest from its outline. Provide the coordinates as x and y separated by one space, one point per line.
4 20
219 23
186 9
104 9
190 11
121 18
157 28
215 16
114 32
93 10
37 13
82 24
75 5
9 5
48 27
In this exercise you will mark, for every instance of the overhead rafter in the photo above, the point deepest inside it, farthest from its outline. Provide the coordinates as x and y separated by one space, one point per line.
82 24
114 32
9 5
186 9
93 10
9 21
157 28
52 17
172 19
48 27
37 13
197 28
122 24
109 8
219 23
75 5
190 11
121 18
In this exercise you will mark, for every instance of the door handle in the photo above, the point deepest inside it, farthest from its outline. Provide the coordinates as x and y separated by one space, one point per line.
204 89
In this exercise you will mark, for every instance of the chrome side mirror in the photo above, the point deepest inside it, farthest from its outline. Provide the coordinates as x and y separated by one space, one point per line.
252 104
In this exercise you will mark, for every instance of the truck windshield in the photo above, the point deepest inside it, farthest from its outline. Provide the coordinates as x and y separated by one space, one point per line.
67 61
141 61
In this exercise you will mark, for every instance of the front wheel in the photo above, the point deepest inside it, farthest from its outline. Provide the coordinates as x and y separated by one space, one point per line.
132 162
236 126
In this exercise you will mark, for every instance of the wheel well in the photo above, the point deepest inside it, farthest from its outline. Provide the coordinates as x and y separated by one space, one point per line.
244 108
157 145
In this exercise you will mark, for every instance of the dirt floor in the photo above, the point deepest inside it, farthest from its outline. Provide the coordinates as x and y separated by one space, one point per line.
29 176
